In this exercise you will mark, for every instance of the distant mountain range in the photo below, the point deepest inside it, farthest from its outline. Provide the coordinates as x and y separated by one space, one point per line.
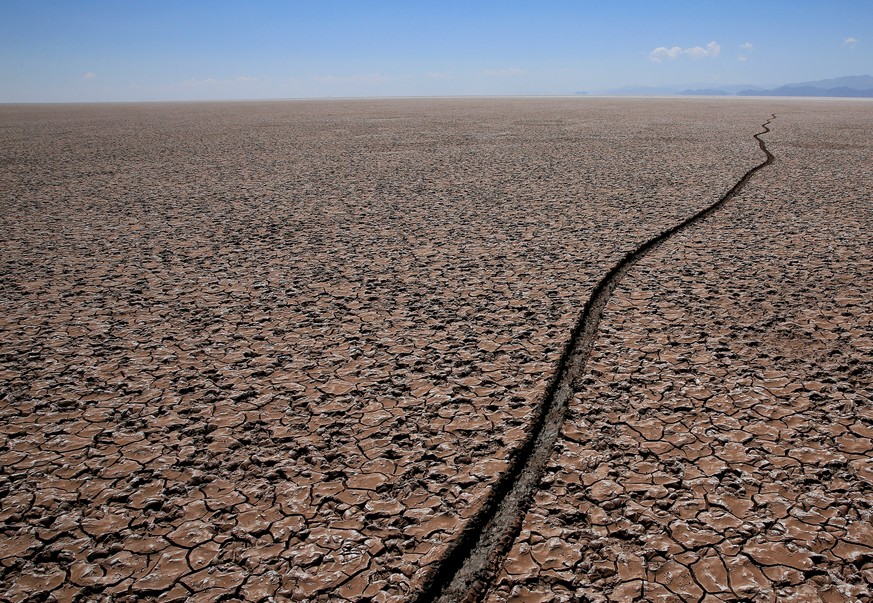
674 90
857 86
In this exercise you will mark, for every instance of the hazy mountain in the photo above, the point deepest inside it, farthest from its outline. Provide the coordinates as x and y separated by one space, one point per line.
705 92
718 91
848 86
643 91
851 86
698 89
855 82
809 91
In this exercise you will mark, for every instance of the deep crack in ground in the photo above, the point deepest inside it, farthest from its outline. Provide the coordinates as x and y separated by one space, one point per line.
466 571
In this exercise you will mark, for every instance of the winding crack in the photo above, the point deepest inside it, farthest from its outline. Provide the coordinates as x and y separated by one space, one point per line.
467 569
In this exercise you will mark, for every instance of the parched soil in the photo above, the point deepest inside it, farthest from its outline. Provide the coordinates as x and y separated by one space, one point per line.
720 447
288 350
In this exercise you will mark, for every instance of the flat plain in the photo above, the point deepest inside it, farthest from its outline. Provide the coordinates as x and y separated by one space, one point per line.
289 350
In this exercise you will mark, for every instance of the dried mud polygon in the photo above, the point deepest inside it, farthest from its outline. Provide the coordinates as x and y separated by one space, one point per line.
720 447
285 350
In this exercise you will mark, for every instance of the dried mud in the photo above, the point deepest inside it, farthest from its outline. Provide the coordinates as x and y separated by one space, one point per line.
287 350
720 446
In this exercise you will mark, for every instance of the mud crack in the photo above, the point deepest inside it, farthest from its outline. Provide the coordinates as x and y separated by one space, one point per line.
467 569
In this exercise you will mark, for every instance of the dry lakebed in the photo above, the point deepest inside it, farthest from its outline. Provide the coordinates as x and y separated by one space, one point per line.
419 350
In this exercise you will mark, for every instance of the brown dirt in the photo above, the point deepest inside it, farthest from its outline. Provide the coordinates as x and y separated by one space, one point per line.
720 448
286 349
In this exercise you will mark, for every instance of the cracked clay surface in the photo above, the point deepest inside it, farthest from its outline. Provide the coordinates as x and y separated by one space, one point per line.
282 351
719 448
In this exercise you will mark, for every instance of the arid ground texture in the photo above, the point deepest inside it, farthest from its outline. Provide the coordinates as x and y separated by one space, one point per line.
301 351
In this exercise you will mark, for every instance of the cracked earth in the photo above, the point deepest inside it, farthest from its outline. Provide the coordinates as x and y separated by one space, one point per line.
720 446
286 351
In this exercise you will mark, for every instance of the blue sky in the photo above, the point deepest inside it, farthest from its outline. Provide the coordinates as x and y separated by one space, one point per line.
56 51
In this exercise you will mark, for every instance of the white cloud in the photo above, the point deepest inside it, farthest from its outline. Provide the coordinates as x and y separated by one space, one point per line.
504 72
662 53
712 50
851 42
747 46
742 59
89 76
